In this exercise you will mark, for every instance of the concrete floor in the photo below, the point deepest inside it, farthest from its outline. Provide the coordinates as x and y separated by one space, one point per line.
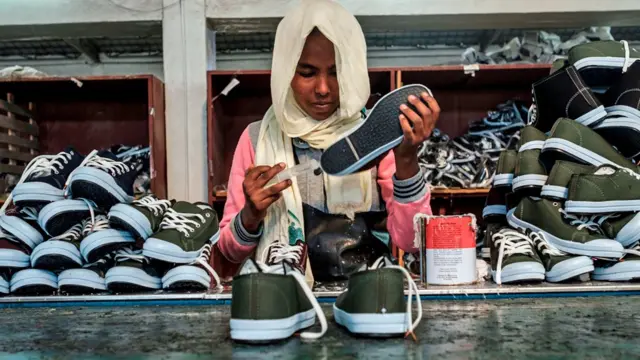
576 328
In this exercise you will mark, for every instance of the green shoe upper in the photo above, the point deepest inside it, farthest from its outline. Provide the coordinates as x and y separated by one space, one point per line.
606 48
612 225
562 171
531 138
606 183
578 134
549 254
558 64
529 163
549 216
518 247
507 162
152 208
189 226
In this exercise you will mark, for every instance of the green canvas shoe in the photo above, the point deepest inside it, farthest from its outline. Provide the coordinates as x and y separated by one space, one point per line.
271 301
374 303
132 272
141 218
529 174
601 63
625 269
185 232
568 233
505 168
557 185
513 258
559 265
607 190
572 141
531 139
625 229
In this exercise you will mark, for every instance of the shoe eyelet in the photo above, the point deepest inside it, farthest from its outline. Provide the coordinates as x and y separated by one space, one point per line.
555 203
186 235
207 214
192 230
197 225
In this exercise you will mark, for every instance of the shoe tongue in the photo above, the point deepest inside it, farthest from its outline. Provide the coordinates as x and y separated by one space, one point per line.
186 207
107 154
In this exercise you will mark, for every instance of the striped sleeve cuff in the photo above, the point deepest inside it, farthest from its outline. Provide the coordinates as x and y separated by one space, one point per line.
409 190
242 235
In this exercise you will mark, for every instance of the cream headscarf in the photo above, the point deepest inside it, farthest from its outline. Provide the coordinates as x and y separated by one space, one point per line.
286 120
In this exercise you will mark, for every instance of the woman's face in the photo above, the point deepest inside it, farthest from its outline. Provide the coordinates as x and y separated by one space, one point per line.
315 84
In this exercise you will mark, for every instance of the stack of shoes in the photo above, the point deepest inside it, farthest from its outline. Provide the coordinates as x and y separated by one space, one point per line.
575 179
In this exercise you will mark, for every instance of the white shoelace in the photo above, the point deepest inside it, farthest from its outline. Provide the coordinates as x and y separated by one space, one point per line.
155 205
97 223
29 213
73 234
544 246
182 222
282 252
413 291
633 250
203 260
42 165
511 242
113 167
627 56
592 223
125 254
5 235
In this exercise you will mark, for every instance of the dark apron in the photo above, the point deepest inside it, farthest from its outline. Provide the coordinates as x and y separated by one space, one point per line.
338 246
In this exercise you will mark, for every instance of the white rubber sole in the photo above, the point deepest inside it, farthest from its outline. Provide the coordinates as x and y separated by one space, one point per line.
529 180
630 233
103 180
132 276
532 145
521 271
56 248
570 268
81 278
601 207
268 330
5 287
36 191
602 61
580 153
134 218
494 210
554 192
59 208
186 273
622 271
374 324
601 248
502 180
102 238
165 251
624 111
21 229
592 117
10 258
32 277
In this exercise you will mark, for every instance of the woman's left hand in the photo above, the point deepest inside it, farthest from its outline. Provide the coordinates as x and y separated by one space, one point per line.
417 127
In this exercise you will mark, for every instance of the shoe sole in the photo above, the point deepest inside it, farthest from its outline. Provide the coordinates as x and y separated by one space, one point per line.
98 186
379 132
555 192
494 210
100 243
528 181
525 271
36 193
503 180
623 111
80 281
622 271
34 281
601 207
4 286
575 153
531 145
570 268
371 324
186 277
272 329
22 230
10 258
598 70
168 252
129 279
124 215
60 216
601 248
624 132
56 255
630 233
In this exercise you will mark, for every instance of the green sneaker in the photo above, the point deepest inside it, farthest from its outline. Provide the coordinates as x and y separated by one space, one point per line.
374 303
572 141
141 218
557 185
272 301
566 232
185 232
559 265
625 229
625 269
601 63
87 280
505 169
607 190
132 272
531 139
513 258
559 64
530 173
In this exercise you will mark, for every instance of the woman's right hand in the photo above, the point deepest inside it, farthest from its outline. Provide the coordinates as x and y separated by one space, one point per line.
258 198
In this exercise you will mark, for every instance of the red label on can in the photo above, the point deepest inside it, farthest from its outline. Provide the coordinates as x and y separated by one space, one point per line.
451 232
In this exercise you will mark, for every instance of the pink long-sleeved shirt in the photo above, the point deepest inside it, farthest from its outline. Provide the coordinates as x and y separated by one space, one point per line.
403 200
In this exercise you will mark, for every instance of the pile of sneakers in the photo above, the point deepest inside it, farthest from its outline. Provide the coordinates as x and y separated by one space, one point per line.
469 161
77 227
567 201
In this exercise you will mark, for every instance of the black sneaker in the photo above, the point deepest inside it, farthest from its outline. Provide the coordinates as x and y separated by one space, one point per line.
89 279
564 94
100 239
377 134
58 217
132 273
104 179
44 178
61 252
23 224
196 276
34 282
141 218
